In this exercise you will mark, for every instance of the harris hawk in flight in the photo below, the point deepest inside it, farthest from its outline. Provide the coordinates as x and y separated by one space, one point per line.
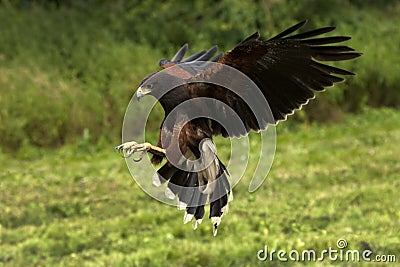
286 68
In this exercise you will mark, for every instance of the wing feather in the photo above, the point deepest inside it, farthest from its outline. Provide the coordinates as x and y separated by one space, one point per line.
287 69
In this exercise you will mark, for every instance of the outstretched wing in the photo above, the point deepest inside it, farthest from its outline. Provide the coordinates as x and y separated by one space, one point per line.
199 57
286 68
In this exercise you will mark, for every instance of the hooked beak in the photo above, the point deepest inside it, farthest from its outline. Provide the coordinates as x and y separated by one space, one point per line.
141 92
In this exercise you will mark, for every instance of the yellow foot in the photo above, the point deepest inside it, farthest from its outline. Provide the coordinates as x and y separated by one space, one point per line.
128 149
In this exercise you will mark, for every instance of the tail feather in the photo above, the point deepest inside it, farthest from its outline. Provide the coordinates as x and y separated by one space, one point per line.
198 200
187 192
177 182
199 214
164 174
219 200
196 206
194 189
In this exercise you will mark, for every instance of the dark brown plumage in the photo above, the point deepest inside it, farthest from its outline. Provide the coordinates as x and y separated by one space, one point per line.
286 68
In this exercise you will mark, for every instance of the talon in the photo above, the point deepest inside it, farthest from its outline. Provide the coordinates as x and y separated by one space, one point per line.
140 156
128 155
130 148
121 152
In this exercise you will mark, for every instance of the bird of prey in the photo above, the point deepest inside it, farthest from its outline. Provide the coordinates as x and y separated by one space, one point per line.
286 68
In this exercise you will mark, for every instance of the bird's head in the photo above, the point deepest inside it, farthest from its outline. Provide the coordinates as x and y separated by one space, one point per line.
159 85
146 86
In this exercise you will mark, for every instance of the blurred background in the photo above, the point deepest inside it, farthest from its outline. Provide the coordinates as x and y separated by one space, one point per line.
71 67
67 72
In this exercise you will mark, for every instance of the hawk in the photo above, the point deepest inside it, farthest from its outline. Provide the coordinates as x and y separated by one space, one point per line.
286 68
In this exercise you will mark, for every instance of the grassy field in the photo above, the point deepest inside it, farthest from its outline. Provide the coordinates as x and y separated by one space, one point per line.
78 205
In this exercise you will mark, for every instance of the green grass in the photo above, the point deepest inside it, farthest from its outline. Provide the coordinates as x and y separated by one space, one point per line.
78 206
